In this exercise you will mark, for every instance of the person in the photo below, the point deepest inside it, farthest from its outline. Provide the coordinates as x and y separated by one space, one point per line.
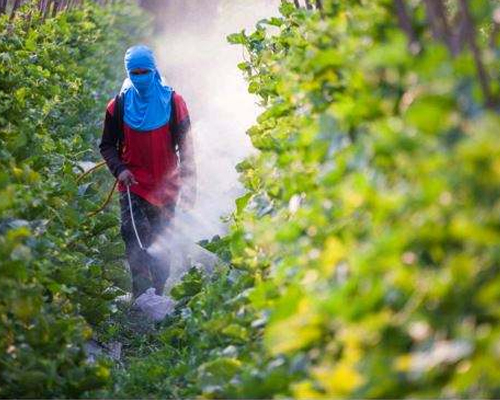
147 146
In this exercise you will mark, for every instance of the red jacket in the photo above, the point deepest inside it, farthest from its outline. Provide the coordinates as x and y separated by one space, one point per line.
150 155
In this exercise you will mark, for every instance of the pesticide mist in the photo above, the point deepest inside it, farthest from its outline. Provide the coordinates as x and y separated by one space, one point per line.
198 63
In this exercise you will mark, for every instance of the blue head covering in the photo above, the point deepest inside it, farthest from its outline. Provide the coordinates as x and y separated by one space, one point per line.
147 97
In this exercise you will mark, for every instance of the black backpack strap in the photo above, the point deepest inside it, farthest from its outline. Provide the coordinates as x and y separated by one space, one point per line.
118 114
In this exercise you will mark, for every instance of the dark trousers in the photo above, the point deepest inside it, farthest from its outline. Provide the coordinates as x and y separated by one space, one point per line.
147 271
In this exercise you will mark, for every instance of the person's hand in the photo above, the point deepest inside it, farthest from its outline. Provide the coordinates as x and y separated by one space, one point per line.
127 178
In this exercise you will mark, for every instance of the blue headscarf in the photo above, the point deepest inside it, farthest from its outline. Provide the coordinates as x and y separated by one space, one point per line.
147 97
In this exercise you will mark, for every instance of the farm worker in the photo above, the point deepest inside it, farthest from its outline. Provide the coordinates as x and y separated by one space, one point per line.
147 146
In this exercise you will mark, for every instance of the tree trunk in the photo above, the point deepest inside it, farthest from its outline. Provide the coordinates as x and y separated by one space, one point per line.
16 5
470 31
436 15
3 6
406 26
496 29
46 9
55 8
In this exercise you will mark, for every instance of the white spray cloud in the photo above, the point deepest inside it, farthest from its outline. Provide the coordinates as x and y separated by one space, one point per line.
199 64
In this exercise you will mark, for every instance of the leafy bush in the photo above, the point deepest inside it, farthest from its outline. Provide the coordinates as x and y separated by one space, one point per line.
365 255
56 76
374 207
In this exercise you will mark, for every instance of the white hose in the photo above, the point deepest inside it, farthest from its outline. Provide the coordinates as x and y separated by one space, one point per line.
133 220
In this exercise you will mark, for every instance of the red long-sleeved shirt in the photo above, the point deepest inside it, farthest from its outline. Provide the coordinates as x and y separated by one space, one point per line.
150 155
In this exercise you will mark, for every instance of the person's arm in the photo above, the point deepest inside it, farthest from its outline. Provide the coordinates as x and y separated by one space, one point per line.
110 142
186 152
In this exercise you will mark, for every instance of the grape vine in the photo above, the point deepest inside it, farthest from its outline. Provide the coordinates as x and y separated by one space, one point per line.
56 75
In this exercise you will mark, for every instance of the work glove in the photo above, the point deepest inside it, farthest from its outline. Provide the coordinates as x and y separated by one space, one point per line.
127 178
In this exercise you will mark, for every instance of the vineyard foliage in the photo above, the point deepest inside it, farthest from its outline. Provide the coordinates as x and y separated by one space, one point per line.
364 257
361 262
56 75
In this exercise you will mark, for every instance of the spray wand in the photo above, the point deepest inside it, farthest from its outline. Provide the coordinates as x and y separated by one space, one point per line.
133 219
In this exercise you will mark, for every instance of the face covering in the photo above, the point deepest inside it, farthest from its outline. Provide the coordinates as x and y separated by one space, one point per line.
147 97
142 82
